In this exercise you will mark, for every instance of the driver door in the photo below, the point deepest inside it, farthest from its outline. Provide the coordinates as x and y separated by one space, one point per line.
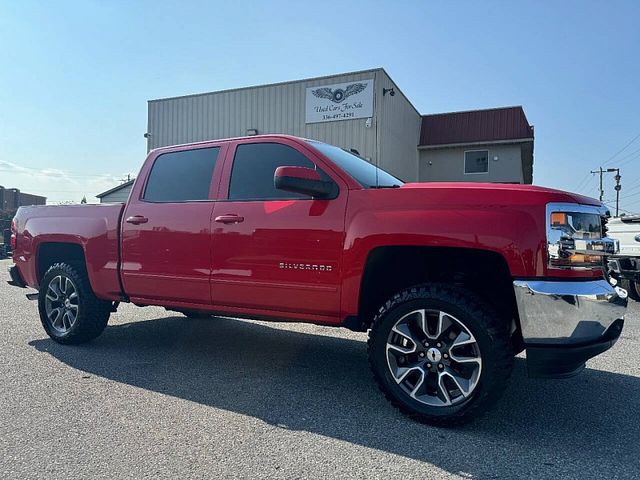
276 253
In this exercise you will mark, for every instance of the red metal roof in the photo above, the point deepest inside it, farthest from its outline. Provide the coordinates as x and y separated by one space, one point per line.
475 126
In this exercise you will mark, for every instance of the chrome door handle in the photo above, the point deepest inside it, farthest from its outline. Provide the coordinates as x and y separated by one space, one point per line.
227 219
137 219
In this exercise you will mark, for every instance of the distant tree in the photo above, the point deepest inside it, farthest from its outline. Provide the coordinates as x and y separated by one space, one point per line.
84 199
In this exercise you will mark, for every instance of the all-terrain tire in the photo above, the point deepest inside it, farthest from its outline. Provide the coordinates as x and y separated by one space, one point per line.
92 313
492 338
632 288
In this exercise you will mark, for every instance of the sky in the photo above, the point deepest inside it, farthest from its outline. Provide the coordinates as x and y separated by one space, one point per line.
75 77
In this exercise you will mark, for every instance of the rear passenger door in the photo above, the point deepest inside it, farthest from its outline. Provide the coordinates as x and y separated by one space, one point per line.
166 234
275 252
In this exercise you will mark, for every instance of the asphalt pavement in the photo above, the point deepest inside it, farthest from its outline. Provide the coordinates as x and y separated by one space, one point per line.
159 395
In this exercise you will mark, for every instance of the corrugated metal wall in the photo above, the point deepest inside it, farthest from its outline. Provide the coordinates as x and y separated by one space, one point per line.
278 108
399 129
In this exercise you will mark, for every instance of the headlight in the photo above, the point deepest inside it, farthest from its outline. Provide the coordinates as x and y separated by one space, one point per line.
576 236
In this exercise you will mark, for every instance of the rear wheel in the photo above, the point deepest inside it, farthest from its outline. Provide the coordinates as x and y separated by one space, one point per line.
440 354
69 310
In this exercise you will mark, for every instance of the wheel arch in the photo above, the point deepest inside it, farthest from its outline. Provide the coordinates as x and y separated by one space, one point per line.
50 253
390 269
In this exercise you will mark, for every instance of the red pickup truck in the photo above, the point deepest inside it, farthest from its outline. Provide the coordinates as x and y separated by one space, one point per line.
450 279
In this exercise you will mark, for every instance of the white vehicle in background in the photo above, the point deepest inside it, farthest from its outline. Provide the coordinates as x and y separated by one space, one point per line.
625 266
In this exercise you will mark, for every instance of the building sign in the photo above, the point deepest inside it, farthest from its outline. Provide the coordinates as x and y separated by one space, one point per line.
341 101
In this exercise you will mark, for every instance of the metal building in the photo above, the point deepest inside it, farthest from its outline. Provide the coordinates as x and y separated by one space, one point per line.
364 111
118 194
12 198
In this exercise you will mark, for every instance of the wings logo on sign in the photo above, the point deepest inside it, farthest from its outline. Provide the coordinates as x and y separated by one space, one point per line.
338 95
342 101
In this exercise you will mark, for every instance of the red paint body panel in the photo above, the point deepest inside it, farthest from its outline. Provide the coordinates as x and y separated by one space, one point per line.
505 219
285 256
93 227
297 259
168 258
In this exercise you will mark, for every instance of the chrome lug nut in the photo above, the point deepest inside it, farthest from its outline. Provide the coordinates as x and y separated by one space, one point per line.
421 354
425 343
428 365
439 345
440 366
445 355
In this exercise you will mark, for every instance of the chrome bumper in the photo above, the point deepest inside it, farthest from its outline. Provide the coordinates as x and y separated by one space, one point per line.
567 313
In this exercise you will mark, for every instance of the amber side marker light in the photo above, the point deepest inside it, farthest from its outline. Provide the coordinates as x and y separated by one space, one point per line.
558 218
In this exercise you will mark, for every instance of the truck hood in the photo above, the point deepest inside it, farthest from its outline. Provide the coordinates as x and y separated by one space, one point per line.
495 191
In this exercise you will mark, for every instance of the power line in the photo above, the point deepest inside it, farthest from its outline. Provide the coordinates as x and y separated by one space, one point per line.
581 184
630 159
635 187
621 150
623 209
632 195
587 186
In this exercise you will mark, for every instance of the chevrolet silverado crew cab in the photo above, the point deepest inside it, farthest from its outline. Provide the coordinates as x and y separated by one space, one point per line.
450 279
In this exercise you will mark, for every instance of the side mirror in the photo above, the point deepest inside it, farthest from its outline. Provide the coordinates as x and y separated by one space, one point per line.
301 180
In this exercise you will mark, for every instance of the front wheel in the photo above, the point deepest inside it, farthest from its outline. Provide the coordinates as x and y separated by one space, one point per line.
69 310
440 354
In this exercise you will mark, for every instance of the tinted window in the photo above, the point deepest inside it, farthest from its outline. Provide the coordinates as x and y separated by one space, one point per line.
476 161
365 173
254 166
181 176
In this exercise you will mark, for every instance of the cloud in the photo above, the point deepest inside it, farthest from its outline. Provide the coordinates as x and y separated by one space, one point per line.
57 185
41 173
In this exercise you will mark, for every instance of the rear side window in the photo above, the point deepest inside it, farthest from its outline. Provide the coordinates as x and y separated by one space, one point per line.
254 166
182 176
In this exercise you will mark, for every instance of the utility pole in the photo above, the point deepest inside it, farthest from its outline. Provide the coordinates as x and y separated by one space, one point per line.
600 171
618 187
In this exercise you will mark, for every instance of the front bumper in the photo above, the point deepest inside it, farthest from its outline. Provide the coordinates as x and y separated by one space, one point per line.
566 323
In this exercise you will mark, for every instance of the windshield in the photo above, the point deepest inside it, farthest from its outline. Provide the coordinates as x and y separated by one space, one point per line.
367 174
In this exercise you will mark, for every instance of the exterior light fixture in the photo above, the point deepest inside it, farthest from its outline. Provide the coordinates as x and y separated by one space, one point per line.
390 91
252 131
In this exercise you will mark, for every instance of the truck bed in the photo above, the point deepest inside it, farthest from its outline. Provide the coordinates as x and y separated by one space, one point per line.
93 228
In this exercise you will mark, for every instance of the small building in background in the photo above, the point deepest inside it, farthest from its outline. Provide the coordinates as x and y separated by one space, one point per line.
493 145
118 194
12 198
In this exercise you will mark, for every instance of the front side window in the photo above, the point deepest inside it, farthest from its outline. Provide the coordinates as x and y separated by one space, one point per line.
365 173
181 176
476 161
254 166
